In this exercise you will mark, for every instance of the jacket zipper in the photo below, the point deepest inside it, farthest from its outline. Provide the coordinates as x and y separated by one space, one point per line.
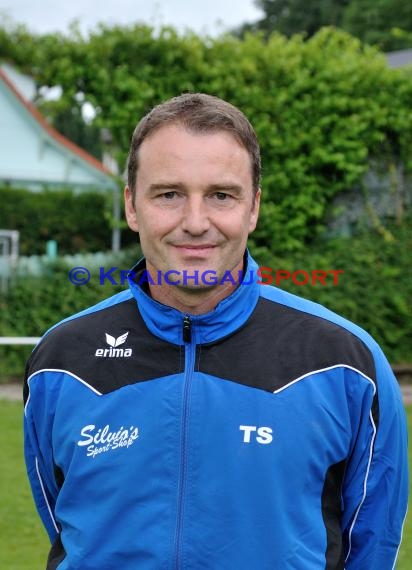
190 350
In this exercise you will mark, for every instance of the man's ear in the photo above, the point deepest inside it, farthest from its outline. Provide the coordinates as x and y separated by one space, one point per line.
255 211
130 210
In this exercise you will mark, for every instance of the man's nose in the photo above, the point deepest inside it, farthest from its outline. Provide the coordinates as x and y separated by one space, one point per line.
195 216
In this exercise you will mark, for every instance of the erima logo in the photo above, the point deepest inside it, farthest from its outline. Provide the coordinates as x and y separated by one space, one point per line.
114 351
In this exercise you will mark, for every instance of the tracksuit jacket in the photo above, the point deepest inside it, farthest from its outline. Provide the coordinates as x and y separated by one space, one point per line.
266 434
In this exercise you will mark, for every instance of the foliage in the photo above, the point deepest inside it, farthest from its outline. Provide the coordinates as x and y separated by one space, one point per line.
33 304
71 123
375 288
78 222
322 108
372 21
294 16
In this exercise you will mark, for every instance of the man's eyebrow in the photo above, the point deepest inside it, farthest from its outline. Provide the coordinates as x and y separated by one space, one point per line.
165 186
218 187
227 187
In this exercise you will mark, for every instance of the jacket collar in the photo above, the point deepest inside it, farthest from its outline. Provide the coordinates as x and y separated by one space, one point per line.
230 314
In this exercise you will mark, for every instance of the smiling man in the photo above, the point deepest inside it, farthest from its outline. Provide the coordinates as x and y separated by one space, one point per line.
194 204
229 425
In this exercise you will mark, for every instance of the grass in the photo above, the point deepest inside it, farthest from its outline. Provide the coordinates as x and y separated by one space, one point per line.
23 542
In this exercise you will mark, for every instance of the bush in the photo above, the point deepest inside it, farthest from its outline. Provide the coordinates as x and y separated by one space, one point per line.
375 288
32 305
78 222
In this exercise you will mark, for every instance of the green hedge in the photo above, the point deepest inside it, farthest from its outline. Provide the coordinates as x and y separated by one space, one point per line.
374 290
78 222
32 305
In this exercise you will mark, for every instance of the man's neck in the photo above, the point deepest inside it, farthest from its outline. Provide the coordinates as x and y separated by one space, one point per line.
190 300
194 300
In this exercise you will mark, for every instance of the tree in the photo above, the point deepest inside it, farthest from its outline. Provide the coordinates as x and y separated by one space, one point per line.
377 22
373 20
295 16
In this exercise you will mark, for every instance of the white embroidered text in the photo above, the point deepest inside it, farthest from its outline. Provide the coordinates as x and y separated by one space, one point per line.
102 440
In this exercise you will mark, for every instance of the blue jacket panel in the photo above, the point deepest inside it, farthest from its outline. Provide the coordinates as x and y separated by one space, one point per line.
268 433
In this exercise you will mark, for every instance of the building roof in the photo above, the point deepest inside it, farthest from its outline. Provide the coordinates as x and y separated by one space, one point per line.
399 58
46 157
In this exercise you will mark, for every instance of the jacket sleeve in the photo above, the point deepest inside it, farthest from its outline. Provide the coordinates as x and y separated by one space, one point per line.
376 481
38 451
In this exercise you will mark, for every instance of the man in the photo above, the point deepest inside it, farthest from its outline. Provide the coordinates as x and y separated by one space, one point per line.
201 419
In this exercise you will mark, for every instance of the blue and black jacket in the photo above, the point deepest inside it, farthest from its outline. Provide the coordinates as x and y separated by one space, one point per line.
266 434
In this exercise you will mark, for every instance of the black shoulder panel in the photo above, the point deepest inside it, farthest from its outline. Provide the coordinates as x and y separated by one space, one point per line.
107 349
278 344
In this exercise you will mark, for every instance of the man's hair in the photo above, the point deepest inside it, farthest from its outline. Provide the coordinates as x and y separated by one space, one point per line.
198 113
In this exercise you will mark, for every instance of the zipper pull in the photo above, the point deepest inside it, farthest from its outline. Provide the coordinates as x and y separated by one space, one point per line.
187 329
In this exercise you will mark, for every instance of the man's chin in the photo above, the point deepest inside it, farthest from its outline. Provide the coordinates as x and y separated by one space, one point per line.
192 281
201 279
194 289
191 276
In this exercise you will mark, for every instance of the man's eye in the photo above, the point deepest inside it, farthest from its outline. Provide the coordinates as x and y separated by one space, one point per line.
221 196
169 195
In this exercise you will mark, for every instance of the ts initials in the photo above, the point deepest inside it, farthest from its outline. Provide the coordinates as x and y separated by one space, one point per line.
263 434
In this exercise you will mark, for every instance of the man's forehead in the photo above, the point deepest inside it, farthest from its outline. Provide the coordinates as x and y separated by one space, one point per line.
176 127
174 146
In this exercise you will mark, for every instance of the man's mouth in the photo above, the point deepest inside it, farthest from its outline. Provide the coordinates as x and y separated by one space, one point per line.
197 247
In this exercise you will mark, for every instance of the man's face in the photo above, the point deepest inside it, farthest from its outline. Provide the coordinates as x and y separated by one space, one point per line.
194 203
